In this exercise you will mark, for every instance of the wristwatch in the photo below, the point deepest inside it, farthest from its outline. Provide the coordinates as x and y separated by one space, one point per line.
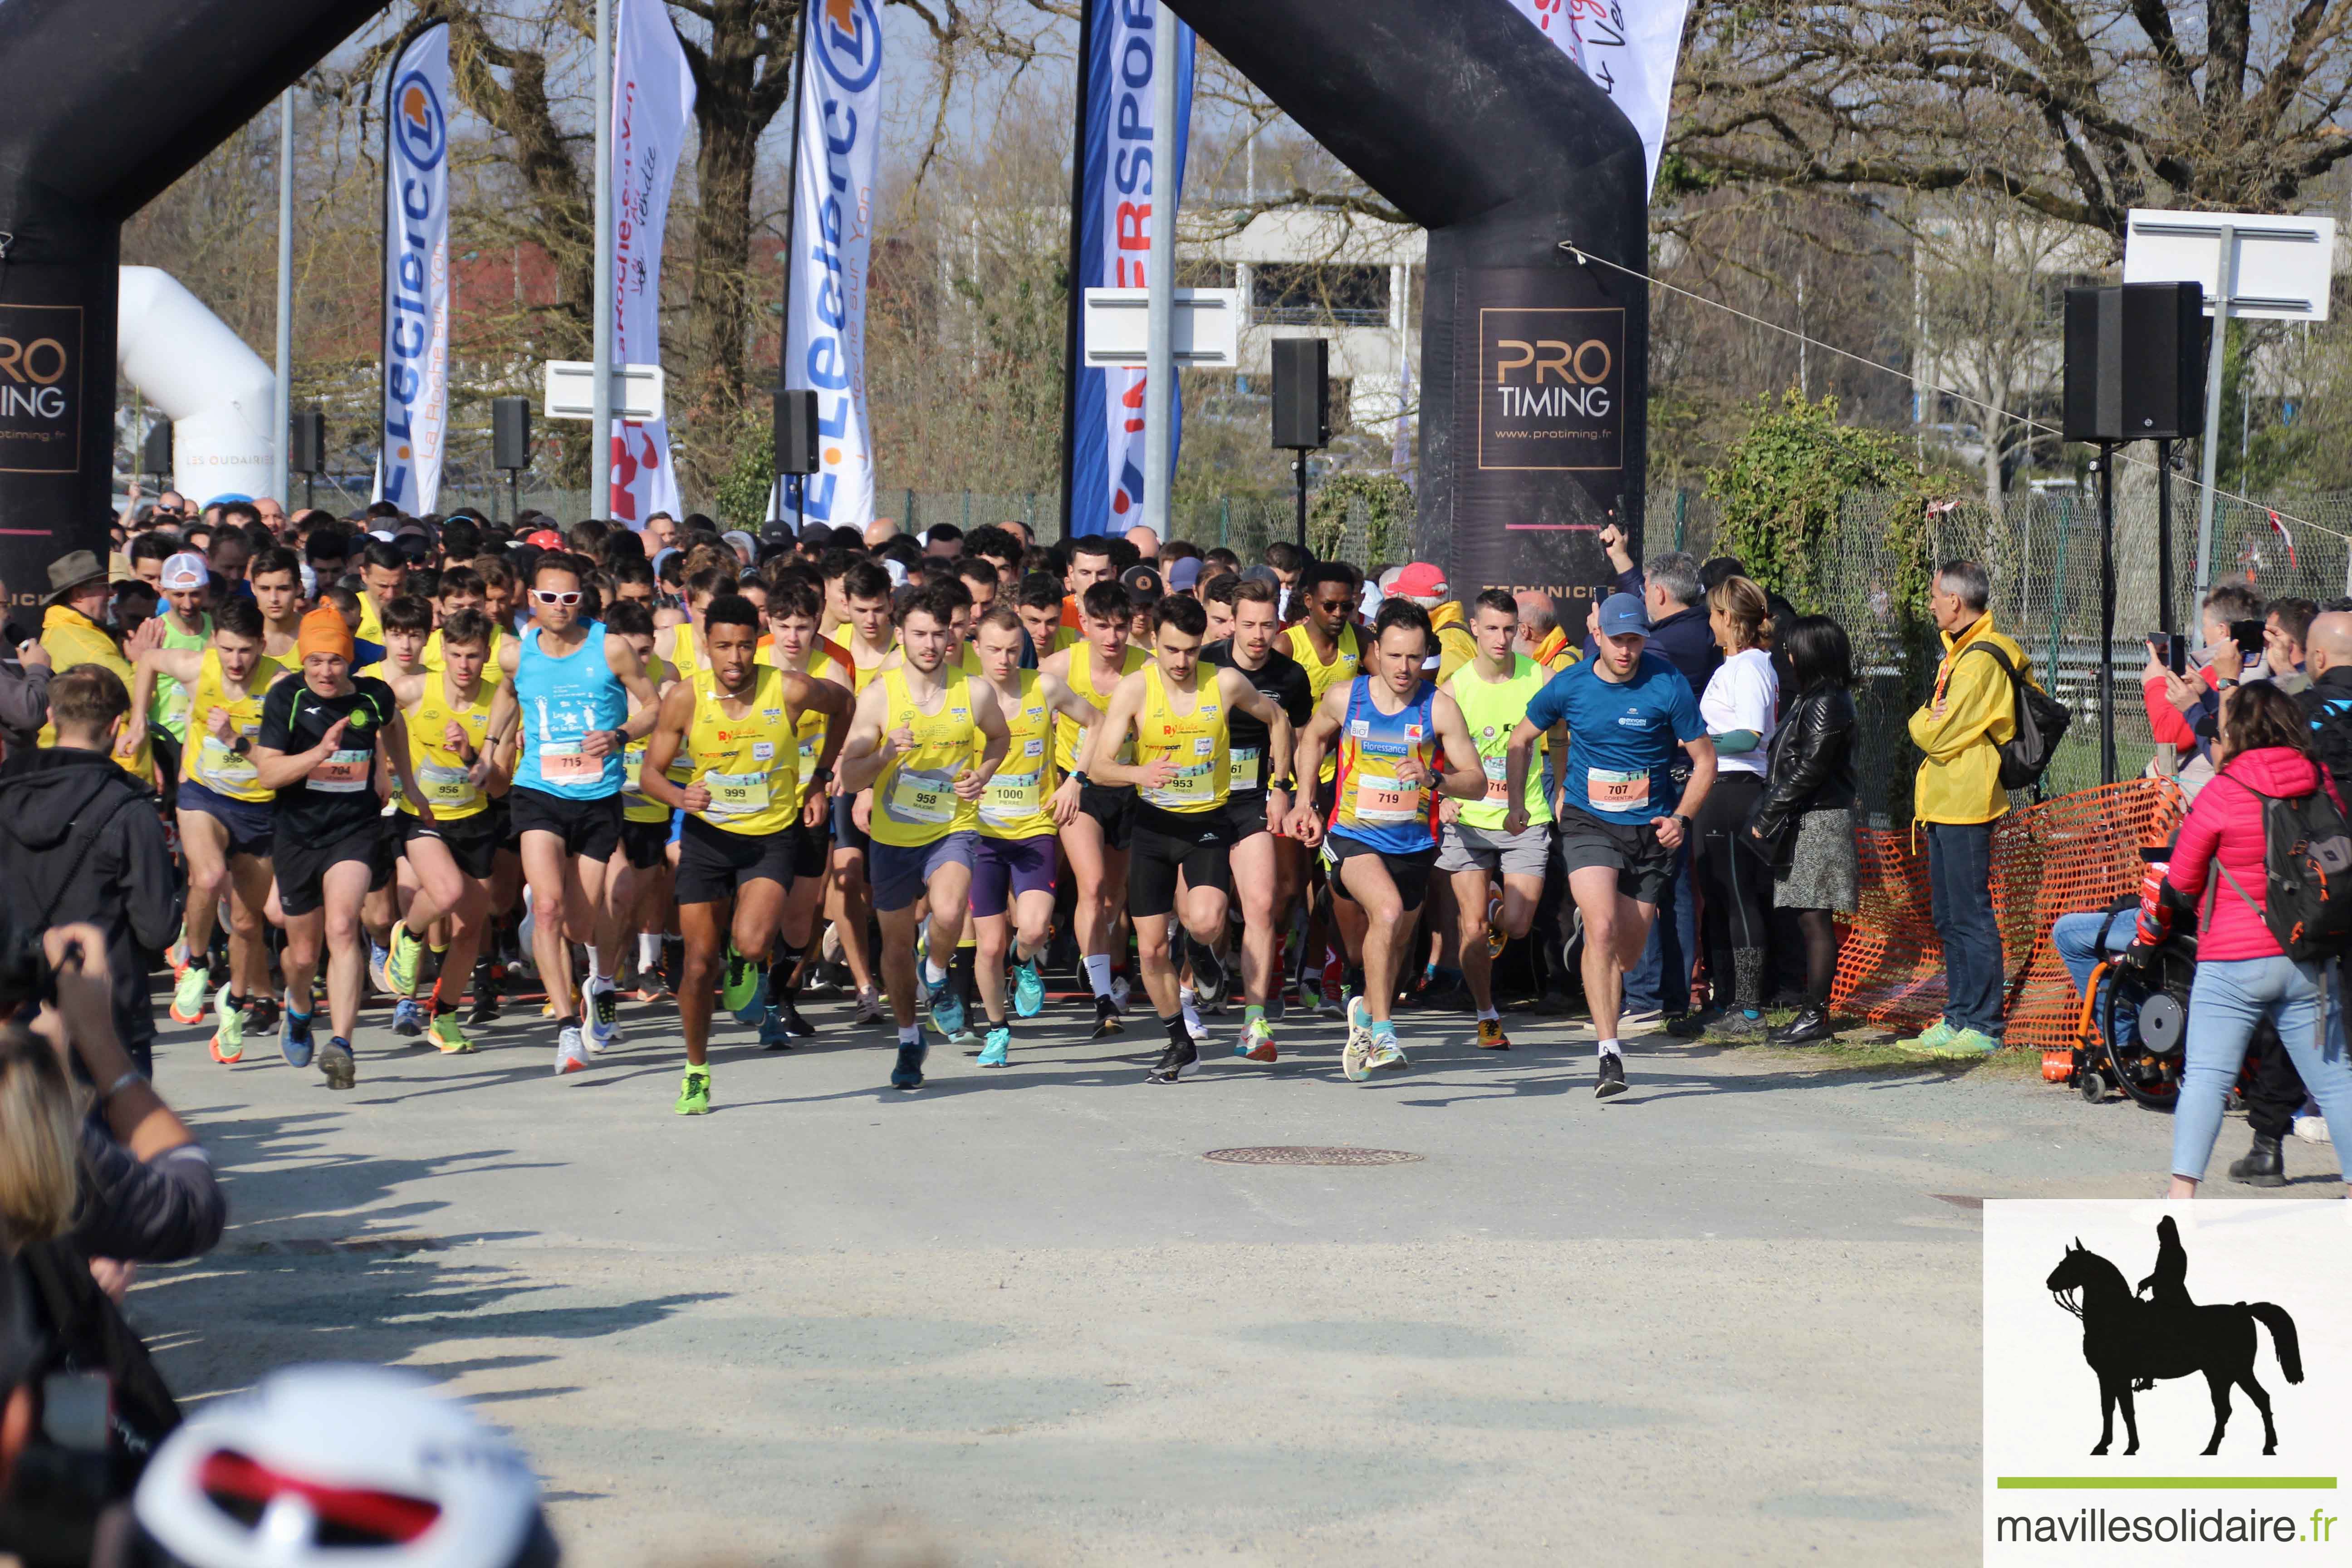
1685 821
820 776
1078 778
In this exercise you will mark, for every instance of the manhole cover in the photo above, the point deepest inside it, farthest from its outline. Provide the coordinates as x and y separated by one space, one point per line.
1293 1154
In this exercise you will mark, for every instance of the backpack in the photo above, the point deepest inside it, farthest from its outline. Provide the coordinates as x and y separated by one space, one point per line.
2307 862
2040 718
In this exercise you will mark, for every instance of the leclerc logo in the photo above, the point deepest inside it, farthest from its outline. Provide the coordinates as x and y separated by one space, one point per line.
419 130
849 34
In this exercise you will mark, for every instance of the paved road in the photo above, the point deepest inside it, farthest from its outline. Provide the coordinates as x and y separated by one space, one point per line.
1017 1317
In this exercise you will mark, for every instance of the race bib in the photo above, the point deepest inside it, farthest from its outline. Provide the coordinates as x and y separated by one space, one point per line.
1608 789
925 799
1386 800
344 772
1011 796
1190 788
735 795
445 786
215 764
1499 771
1245 763
563 761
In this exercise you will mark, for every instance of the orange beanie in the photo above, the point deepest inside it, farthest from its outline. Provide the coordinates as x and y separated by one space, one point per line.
323 631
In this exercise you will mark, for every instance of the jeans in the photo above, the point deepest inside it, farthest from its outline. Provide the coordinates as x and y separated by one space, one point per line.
2229 999
2083 939
1662 980
1959 890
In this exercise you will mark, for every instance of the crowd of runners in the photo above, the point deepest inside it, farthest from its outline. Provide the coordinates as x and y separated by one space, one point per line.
682 768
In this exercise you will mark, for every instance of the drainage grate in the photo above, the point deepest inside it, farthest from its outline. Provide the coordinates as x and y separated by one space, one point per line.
1295 1155
324 1246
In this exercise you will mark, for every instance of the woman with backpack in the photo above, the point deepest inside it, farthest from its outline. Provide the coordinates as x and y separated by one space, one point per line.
2244 975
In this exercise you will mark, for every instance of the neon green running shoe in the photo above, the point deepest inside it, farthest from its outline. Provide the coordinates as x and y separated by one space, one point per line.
400 964
228 1037
742 983
1928 1042
188 996
451 1039
694 1096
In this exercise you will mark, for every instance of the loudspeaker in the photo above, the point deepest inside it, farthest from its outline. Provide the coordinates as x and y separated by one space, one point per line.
155 453
510 433
797 436
306 442
1302 392
2135 362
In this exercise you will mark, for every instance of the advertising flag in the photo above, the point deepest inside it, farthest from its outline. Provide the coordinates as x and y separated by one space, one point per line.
838 136
653 114
1629 47
1118 201
415 274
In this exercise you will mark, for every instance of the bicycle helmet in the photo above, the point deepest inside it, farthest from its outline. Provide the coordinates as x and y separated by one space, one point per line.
319 1464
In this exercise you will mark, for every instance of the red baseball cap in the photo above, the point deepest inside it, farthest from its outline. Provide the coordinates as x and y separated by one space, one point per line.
1420 581
544 539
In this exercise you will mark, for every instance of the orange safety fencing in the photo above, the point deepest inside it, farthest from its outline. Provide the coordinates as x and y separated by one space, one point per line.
2074 853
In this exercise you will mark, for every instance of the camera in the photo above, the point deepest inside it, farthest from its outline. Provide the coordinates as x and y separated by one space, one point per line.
26 977
2172 650
2247 635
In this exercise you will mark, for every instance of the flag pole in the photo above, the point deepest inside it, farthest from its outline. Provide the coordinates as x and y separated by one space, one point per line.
1073 335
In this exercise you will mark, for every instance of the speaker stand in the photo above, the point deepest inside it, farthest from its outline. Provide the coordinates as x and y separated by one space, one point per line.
2108 613
1299 467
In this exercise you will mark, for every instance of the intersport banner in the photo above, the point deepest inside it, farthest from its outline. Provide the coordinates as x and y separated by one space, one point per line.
415 416
1119 201
653 113
1629 47
839 134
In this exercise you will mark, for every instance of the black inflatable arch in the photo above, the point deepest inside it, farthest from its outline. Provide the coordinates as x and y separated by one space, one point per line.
1533 368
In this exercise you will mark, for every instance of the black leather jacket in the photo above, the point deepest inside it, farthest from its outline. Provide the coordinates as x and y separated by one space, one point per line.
1810 765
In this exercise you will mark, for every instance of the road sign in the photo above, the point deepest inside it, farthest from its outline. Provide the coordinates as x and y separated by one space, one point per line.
2278 268
1207 327
572 390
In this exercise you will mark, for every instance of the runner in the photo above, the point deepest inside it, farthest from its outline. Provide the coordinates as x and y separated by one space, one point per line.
738 720
405 621
1039 602
462 588
187 586
275 575
1096 839
317 749
449 835
1183 769
579 697
1493 690
1326 644
1026 804
224 816
1401 740
1265 859
641 875
926 740
873 638
1625 712
1092 561
794 605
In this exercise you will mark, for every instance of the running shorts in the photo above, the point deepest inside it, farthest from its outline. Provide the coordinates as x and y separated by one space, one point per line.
646 844
302 868
589 828
1245 815
714 864
251 823
1409 872
1164 843
1644 867
845 831
472 841
1466 848
1005 869
1113 805
900 875
811 849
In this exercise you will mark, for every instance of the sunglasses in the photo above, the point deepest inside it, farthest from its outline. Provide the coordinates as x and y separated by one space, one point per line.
545 596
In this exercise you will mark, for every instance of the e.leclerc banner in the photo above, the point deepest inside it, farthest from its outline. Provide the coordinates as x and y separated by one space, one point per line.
839 134
1118 203
653 112
416 273
1629 47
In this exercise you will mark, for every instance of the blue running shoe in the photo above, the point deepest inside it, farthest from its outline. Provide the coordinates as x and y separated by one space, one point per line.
1028 990
407 1019
909 1073
946 1007
775 1031
294 1039
335 1060
1000 1041
380 969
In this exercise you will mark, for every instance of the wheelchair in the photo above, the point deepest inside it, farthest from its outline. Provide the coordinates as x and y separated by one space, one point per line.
2154 1000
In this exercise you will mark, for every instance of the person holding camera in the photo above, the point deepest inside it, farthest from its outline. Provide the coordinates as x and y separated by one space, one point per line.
81 841
2184 706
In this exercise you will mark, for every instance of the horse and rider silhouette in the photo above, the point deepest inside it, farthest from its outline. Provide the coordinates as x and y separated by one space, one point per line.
2131 1343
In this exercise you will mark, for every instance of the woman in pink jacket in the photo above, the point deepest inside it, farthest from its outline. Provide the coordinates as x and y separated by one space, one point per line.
2242 975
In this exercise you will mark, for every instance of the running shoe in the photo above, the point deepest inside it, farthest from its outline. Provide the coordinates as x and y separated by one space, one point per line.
790 1015
603 1020
1633 1017
188 996
1930 1040
571 1056
1310 997
294 1039
1334 1002
1208 972
1257 1046
1964 1045
775 1032
1172 1062
228 1035
744 991
870 1008
946 1007
1000 1042
380 970
967 1042
1386 1055
486 995
407 1018
450 1040
1106 1019
1491 1037
261 1015
909 1073
1028 990
1612 1080
400 963
693 1094
1355 1058
1496 940
335 1060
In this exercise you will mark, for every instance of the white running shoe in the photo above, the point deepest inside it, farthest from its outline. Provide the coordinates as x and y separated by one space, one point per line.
1192 1024
603 1020
869 1007
571 1056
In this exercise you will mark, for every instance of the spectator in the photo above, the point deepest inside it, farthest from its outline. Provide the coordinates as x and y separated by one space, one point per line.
1957 795
1805 821
1739 707
1146 541
24 689
73 632
81 841
1425 585
2181 708
879 532
660 533
272 515
1288 562
1542 636
2285 625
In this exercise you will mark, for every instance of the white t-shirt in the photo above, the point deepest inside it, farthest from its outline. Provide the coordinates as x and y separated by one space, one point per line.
1743 694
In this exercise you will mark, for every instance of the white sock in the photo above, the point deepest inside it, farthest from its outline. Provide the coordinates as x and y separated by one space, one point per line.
1489 1015
912 1035
596 970
1098 973
648 951
1610 1047
1192 1015
932 974
1185 994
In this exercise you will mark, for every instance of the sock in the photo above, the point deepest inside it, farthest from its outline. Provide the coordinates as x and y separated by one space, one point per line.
1185 994
1612 1047
1253 1013
441 1009
1489 1015
648 951
1098 973
783 959
1178 1034
1384 1029
440 948
237 1004
912 1035
932 974
1022 953
597 981
1189 1014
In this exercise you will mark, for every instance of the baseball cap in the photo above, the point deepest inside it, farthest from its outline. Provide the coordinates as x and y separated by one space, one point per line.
1263 573
383 533
1143 584
1420 580
1184 574
544 539
185 570
1622 613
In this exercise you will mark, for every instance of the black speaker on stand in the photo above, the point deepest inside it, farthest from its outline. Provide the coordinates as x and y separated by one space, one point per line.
306 448
798 444
1302 406
155 453
510 446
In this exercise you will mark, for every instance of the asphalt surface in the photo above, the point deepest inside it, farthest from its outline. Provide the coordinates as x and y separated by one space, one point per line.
1017 1317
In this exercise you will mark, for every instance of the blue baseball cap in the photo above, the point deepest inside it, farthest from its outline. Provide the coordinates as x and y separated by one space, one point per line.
1622 613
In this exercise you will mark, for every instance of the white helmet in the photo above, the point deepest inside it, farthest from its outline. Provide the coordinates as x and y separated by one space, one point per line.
320 1460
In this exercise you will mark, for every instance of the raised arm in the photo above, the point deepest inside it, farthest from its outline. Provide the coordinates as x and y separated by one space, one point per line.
866 750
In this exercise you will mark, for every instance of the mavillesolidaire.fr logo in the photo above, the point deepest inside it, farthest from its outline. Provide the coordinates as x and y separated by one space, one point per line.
2167 1383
